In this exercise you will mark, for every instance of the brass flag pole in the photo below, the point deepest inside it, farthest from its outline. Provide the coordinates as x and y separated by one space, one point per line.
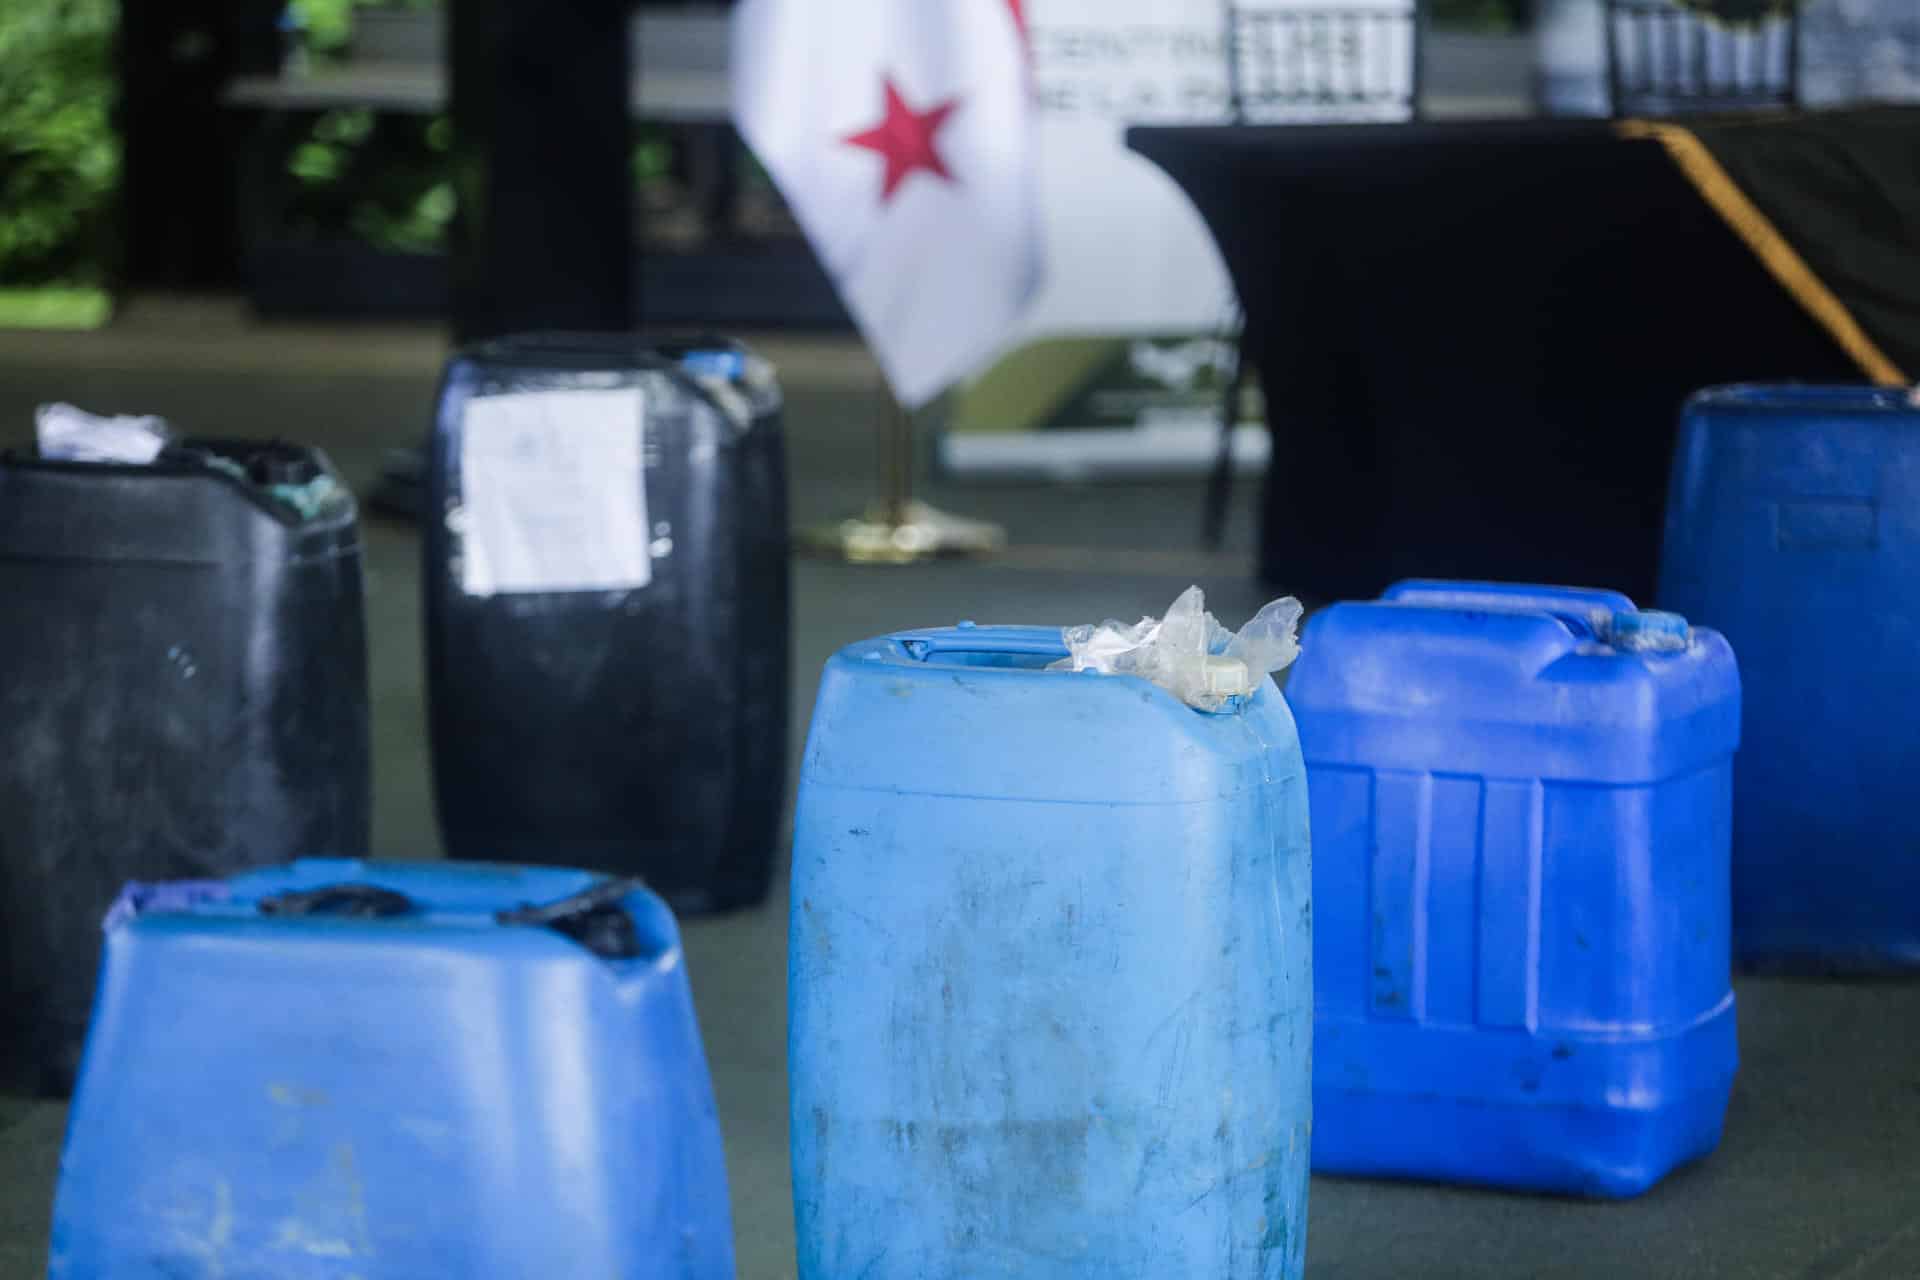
897 528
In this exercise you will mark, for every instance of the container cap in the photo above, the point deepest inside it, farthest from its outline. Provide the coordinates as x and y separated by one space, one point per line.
1227 677
1644 630
721 363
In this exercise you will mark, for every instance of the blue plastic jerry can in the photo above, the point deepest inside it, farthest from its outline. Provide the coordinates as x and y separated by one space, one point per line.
1793 525
1050 972
1522 811
391 1071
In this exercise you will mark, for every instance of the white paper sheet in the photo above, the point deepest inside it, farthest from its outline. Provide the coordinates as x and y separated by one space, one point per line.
553 492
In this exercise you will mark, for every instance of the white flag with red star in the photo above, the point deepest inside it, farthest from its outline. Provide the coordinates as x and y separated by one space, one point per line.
902 135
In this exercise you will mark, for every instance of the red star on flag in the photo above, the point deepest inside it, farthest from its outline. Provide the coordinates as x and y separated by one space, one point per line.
905 139
929 221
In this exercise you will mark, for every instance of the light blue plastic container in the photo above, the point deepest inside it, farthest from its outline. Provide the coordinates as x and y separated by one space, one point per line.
1522 799
1793 525
273 1088
1049 974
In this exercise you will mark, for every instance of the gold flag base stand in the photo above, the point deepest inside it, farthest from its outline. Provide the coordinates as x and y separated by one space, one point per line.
897 529
904 534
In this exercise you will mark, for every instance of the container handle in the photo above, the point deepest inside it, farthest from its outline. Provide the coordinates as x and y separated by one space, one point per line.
341 901
593 918
1509 597
1045 642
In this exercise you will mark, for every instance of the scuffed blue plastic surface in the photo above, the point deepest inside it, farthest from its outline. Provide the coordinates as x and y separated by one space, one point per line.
1050 973
1520 888
433 1094
167 895
1793 525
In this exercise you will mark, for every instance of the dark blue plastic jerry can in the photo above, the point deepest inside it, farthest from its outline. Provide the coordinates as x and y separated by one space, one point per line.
1049 972
1793 525
393 1071
1521 804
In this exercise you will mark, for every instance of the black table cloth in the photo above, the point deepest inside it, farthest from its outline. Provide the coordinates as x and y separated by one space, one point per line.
1475 339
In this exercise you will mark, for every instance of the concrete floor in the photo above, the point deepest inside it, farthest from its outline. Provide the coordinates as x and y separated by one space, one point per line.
1818 1176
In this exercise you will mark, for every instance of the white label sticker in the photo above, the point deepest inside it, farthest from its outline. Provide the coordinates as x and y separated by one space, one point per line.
553 493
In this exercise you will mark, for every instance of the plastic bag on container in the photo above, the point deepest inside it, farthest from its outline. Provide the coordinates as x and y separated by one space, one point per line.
1188 652
67 434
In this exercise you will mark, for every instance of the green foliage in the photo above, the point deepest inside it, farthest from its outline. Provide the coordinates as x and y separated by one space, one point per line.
383 179
59 160
652 157
418 227
329 23
390 180
54 308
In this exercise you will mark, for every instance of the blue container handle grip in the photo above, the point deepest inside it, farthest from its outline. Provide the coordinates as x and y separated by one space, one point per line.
349 901
1565 603
596 918
966 638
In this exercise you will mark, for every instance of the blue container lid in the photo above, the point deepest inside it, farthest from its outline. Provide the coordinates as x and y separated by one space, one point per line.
1511 681
715 363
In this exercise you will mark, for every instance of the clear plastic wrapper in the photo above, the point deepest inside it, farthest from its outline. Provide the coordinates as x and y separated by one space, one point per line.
1187 651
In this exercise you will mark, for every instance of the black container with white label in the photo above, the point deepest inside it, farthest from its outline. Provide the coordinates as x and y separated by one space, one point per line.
607 581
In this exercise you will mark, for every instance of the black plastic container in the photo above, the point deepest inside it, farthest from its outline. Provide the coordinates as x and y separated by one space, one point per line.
185 697
637 729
